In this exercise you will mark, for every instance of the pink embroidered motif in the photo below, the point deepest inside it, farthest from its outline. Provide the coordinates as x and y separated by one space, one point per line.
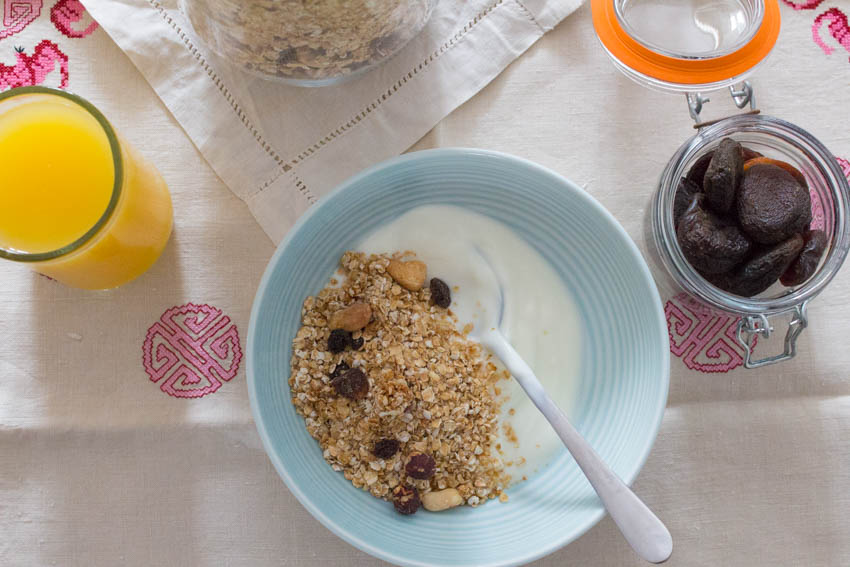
818 213
807 5
705 340
18 14
66 13
838 28
845 166
33 69
192 349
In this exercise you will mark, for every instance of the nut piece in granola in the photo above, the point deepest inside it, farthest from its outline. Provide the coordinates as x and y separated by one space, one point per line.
406 499
410 275
352 384
437 501
352 318
420 466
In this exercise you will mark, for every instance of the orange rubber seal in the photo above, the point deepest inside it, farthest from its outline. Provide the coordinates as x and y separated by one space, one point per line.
684 71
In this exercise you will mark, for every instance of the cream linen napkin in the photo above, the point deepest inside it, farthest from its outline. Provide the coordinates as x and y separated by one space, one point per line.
280 148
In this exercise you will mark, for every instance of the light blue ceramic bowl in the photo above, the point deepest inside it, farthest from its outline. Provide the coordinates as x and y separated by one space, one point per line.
624 366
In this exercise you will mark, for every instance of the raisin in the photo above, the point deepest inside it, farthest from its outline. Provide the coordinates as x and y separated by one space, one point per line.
356 344
352 384
385 448
420 466
338 340
339 369
772 205
710 243
723 176
807 262
440 293
406 499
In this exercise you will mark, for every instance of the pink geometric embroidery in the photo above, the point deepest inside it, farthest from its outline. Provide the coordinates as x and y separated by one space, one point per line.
705 340
33 69
192 349
807 5
818 215
18 14
838 28
66 13
845 166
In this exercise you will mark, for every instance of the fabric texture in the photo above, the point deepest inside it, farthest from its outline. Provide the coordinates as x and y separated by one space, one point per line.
105 461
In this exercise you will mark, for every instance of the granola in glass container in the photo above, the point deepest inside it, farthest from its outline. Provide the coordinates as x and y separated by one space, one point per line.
308 42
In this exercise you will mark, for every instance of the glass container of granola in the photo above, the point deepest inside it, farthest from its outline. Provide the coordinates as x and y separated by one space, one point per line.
307 43
691 48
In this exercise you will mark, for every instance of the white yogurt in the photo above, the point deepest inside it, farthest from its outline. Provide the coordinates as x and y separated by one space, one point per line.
540 318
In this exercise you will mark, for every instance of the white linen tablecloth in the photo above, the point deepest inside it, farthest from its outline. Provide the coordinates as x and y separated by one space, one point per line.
100 466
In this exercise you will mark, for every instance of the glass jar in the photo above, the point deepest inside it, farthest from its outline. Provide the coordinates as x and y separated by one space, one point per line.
692 47
81 205
314 43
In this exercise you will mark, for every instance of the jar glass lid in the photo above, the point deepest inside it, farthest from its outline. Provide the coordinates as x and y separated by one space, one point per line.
687 42
698 29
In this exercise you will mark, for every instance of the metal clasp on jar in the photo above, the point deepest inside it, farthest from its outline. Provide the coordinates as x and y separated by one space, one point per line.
752 326
741 95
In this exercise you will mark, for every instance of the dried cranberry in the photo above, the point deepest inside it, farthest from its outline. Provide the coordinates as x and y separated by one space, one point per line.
338 340
441 295
406 499
385 448
339 369
352 384
420 466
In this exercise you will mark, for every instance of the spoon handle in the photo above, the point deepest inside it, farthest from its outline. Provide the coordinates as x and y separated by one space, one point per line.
642 529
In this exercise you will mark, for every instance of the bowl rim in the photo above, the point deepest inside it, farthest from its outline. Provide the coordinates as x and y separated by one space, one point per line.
661 329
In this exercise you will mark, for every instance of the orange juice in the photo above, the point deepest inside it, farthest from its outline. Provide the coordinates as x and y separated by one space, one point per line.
77 202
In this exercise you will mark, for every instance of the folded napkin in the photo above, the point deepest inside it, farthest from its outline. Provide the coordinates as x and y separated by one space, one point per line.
280 148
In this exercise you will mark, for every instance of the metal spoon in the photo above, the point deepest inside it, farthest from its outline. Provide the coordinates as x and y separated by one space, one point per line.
642 529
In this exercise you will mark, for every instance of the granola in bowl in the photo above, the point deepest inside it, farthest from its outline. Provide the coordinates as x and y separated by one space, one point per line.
400 401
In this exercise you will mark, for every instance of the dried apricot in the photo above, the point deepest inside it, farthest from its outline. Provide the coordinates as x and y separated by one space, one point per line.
684 195
762 270
801 179
723 176
710 243
772 205
807 262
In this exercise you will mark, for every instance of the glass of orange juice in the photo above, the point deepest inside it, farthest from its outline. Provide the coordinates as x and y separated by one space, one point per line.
77 202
